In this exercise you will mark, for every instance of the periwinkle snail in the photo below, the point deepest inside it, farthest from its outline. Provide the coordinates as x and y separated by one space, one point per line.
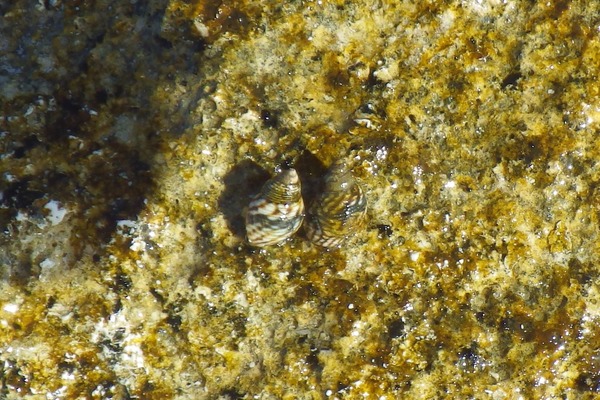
277 211
338 210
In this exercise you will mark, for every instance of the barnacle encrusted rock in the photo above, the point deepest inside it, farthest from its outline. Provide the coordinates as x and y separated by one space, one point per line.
126 131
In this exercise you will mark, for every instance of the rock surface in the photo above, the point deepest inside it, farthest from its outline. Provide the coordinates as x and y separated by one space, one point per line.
133 134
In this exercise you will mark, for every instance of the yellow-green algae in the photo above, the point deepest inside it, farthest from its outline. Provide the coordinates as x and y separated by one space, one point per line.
472 125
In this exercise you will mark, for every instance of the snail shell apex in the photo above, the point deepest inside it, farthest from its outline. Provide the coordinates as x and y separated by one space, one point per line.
277 211
339 210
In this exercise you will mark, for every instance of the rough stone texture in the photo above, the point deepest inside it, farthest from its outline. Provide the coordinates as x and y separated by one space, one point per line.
132 134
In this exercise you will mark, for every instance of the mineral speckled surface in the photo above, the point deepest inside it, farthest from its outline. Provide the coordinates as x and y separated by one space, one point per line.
133 134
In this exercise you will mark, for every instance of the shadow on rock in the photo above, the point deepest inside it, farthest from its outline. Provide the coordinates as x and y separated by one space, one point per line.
243 181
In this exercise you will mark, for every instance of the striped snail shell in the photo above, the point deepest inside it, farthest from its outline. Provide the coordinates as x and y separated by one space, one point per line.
277 211
339 210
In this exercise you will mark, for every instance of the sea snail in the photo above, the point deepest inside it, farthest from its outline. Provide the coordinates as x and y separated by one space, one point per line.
338 210
277 211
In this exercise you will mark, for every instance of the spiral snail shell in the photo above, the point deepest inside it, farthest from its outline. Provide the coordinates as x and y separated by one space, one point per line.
277 211
338 210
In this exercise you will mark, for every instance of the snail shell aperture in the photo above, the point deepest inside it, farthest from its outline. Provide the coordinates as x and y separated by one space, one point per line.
338 210
277 211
